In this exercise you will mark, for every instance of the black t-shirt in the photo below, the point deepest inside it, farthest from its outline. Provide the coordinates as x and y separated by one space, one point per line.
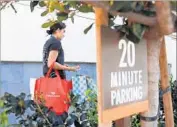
53 44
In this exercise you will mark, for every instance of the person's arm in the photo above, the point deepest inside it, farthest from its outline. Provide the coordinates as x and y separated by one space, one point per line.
53 56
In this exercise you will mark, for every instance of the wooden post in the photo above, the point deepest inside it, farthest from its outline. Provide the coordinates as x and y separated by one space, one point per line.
164 18
166 27
167 101
125 122
102 19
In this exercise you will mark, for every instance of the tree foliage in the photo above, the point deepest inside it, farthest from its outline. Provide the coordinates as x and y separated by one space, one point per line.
30 114
66 9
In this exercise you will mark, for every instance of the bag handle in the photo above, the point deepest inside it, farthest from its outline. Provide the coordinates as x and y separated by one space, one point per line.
50 70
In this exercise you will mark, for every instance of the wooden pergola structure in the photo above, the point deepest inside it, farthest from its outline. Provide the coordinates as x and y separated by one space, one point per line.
164 27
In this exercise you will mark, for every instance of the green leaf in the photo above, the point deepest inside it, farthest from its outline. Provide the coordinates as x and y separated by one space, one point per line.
88 28
148 13
72 4
59 7
51 5
22 96
62 18
42 4
14 125
44 13
138 30
47 24
85 9
62 14
4 119
88 92
33 4
111 2
69 121
1 103
122 6
51 9
138 6
83 117
111 22
71 109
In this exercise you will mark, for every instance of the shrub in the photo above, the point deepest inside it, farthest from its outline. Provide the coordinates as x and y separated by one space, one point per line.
30 114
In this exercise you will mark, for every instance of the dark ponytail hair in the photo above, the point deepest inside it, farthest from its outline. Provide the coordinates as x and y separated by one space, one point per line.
55 27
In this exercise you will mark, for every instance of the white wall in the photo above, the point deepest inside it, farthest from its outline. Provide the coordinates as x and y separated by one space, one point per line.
171 53
23 37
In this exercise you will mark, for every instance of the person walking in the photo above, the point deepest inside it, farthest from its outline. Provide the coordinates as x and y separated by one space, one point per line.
53 53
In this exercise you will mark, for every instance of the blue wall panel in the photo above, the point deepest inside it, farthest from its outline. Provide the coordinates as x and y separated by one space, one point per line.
15 77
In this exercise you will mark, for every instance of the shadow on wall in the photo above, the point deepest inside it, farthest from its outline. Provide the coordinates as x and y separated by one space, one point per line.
15 77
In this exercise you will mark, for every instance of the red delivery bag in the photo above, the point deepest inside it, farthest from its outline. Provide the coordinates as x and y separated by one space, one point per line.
53 92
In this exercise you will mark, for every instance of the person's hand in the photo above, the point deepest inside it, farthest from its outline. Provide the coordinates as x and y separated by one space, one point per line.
66 65
75 68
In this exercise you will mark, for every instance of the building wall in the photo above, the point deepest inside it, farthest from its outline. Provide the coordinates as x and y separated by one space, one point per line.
15 76
23 39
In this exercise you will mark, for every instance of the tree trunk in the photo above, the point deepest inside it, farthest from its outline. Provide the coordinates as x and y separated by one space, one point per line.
153 52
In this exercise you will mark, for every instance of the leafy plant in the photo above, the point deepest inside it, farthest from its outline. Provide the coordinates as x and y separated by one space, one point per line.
84 114
3 115
30 114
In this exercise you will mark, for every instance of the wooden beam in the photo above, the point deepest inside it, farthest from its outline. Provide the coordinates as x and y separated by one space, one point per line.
139 18
167 100
164 17
166 27
135 17
132 16
125 122
101 19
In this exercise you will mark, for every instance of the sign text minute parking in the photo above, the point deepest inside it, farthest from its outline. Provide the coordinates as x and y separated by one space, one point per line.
128 84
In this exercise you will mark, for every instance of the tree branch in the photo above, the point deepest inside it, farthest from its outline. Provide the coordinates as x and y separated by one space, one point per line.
3 6
139 18
134 17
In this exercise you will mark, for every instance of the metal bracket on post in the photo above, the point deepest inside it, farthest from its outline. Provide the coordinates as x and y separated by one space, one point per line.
154 118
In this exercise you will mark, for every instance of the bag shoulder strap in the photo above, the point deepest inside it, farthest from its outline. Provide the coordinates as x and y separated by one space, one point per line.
50 70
